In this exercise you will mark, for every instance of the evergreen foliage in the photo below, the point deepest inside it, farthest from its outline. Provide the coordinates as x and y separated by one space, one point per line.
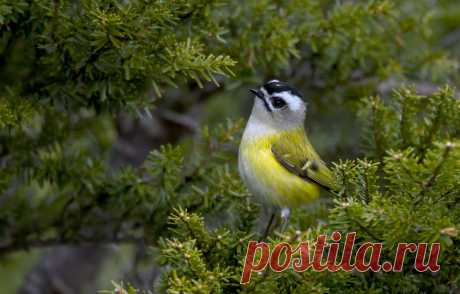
69 69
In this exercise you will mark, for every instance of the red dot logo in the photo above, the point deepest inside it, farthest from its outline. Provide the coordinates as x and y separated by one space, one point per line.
387 266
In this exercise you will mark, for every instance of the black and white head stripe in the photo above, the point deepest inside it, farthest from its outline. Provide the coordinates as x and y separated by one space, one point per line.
275 86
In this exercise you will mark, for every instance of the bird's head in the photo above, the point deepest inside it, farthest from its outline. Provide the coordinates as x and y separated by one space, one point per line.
278 105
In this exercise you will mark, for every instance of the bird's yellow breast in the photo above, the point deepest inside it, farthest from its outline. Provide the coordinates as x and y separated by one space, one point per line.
267 178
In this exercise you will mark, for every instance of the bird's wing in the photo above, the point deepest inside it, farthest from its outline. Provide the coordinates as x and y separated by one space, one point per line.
297 155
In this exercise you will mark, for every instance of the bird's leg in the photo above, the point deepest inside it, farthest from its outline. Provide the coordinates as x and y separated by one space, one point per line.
269 225
285 213
272 221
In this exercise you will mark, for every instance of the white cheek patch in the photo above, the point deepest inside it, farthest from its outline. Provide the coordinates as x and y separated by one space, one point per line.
294 103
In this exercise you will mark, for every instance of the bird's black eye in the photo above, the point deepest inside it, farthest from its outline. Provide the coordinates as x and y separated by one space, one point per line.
278 102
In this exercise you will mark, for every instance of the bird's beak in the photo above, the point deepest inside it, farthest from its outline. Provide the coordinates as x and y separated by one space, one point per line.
257 92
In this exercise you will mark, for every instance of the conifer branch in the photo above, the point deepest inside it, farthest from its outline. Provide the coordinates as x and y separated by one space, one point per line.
426 185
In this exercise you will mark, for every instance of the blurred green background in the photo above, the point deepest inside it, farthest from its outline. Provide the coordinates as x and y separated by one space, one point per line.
90 87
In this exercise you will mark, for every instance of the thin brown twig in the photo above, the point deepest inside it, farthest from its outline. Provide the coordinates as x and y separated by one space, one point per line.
57 241
434 175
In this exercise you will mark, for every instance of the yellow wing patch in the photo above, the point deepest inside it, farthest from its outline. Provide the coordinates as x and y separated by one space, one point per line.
269 178
295 153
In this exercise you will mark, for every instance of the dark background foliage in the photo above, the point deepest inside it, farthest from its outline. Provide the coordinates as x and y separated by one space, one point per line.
120 122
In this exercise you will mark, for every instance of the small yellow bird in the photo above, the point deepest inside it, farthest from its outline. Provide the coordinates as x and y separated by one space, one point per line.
276 160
